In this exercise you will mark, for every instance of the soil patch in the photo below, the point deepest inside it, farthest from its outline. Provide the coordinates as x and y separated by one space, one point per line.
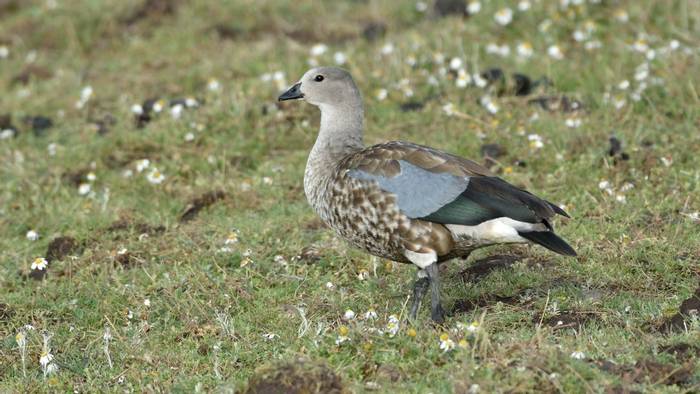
152 10
61 247
483 267
649 370
298 376
681 350
126 224
468 305
688 308
199 203
567 319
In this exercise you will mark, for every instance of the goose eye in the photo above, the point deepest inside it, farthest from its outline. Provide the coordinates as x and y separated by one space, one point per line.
318 78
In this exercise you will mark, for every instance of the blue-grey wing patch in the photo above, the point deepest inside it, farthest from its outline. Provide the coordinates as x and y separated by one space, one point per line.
419 192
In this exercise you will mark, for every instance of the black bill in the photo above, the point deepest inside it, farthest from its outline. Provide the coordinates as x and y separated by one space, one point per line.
293 93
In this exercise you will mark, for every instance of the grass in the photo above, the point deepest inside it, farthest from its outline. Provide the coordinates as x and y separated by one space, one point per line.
210 311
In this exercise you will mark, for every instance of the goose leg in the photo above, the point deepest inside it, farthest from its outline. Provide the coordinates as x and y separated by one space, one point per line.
436 311
419 290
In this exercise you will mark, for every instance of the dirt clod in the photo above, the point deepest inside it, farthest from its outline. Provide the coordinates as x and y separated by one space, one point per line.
566 320
649 371
558 104
681 350
153 10
689 307
61 247
410 106
199 203
309 254
468 305
127 224
483 267
299 376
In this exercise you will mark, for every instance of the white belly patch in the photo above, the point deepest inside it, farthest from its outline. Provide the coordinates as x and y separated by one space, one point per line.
499 230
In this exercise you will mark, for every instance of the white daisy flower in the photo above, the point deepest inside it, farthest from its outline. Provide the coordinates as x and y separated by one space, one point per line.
579 35
524 49
85 95
39 263
155 176
339 58
535 141
176 111
641 72
449 109
387 49
446 344
555 52
362 275
618 102
342 335
473 7
213 85
147 302
137 109
573 122
489 104
392 327
189 137
349 315
371 314
4 52
381 94
591 45
319 49
621 15
503 16
455 63
524 5
158 106
6 134
463 79
479 81
45 358
32 235
640 45
84 189
421 6
578 355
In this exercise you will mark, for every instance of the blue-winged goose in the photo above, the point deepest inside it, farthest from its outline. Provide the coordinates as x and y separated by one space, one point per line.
406 202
